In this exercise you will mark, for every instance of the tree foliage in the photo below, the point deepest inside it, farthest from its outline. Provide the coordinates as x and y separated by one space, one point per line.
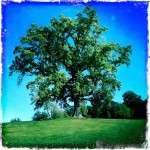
69 60
101 104
114 110
120 111
135 103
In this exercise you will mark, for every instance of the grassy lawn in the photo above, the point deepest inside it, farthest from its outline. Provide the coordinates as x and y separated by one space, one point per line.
77 133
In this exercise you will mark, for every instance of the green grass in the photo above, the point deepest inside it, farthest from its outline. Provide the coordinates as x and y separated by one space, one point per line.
74 133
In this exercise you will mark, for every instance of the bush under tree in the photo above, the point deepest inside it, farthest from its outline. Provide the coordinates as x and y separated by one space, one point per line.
120 111
38 116
15 120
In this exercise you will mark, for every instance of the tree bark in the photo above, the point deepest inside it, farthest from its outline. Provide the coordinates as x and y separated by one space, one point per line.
76 111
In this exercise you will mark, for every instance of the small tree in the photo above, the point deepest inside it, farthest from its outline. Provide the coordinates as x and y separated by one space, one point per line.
69 60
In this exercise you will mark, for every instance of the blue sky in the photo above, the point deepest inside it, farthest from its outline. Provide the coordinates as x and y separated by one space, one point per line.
127 24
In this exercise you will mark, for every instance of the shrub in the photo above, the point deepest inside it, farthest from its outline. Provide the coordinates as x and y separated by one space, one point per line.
114 110
69 110
16 120
40 116
100 109
120 111
83 109
59 114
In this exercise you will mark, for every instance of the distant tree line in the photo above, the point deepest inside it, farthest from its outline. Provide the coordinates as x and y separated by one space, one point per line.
132 107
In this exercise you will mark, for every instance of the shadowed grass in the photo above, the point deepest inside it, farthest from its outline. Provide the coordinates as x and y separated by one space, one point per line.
74 133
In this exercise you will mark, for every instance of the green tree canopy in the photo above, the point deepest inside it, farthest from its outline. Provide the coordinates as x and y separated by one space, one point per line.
69 59
135 102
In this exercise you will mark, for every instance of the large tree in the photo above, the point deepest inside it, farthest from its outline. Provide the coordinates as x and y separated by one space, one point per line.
69 60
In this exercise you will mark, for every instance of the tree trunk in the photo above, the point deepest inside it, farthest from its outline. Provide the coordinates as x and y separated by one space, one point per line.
76 112
47 109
